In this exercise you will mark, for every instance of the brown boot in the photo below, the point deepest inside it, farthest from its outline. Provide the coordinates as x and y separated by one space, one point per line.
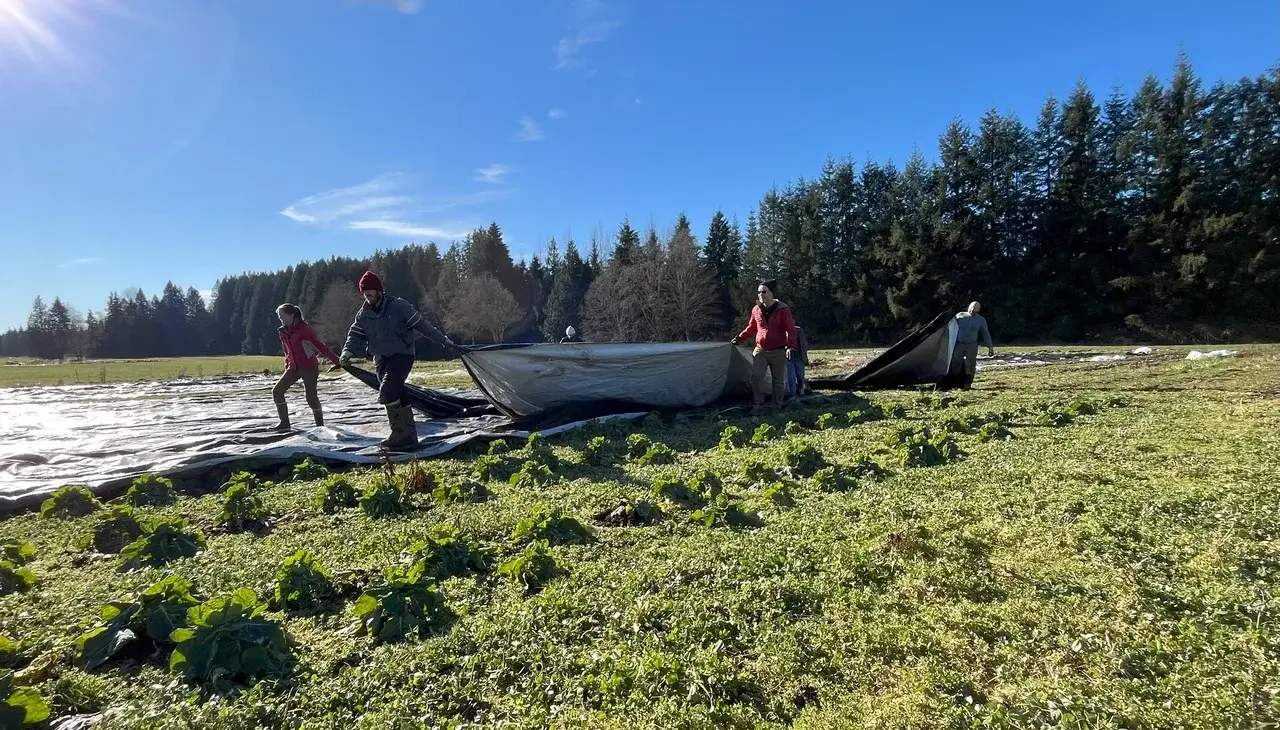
283 410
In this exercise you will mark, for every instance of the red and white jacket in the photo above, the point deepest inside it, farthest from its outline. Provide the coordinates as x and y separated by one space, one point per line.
302 347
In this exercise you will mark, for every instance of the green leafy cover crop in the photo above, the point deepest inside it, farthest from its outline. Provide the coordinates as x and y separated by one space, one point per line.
803 460
406 602
533 475
656 455
162 541
553 525
732 437
150 490
764 433
18 552
69 503
637 446
114 530
153 615
242 509
459 491
383 498
302 583
447 552
14 579
309 469
227 641
336 493
20 706
533 568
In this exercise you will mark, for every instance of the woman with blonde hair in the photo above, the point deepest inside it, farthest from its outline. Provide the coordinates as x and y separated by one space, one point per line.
302 349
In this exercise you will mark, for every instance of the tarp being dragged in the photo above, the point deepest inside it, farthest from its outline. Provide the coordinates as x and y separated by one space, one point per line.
921 358
529 381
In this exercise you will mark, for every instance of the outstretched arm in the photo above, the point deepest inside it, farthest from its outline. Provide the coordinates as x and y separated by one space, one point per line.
750 330
356 340
414 320
984 335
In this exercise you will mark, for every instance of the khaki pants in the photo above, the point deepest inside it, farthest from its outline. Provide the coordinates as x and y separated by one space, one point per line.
309 377
775 361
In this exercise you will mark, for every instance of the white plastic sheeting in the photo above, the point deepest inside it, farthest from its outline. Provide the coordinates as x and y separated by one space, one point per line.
101 435
1197 355
527 381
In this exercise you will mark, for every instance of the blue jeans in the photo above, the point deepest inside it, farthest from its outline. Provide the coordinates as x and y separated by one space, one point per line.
795 378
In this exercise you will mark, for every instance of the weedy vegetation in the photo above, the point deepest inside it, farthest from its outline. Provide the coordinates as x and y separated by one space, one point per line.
1078 546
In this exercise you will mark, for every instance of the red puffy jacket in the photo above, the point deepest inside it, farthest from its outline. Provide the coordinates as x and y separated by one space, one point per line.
302 346
772 331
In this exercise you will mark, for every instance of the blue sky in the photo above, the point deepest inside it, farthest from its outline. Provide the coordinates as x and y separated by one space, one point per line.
147 140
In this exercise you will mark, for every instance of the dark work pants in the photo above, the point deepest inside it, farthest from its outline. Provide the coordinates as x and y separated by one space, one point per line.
392 371
309 378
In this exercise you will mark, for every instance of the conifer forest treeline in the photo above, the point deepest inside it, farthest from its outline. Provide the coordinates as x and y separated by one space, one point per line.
1148 216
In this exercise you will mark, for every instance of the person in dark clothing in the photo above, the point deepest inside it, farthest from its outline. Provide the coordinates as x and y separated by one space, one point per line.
570 335
971 330
774 333
385 325
301 348
796 364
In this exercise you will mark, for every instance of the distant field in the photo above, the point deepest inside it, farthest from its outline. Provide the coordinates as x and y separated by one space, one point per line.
30 373
125 371
450 373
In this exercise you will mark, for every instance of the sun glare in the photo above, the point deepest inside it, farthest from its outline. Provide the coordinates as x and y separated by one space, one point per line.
37 29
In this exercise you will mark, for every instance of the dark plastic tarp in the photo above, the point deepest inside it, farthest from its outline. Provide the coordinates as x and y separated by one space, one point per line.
921 358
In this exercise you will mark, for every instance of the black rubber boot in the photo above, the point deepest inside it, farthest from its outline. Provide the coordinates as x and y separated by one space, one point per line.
404 434
319 414
283 410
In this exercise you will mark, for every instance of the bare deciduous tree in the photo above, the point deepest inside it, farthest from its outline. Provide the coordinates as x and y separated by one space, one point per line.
482 307
337 310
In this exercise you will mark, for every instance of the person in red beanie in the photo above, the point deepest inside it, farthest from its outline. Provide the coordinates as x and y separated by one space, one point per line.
301 348
774 331
385 326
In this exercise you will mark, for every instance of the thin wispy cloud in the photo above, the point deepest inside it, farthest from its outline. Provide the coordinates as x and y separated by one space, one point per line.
494 173
408 7
388 205
556 114
86 261
591 22
530 130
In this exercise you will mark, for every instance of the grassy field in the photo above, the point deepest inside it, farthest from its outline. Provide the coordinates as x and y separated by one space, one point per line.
1112 564
26 373
30 373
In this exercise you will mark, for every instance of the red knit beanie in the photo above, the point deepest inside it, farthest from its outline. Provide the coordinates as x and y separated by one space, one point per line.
369 281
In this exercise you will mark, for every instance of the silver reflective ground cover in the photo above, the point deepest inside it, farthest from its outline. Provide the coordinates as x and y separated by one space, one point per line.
528 381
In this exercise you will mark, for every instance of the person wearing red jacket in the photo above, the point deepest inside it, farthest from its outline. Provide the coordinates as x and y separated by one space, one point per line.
774 332
301 362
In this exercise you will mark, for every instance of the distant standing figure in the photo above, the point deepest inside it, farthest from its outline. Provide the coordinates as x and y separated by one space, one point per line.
386 325
796 364
570 335
971 330
301 350
774 333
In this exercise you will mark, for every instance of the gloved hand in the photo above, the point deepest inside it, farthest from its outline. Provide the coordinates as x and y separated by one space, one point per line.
734 340
344 360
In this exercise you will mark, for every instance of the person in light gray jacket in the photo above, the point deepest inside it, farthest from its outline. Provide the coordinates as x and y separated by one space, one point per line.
386 326
971 331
